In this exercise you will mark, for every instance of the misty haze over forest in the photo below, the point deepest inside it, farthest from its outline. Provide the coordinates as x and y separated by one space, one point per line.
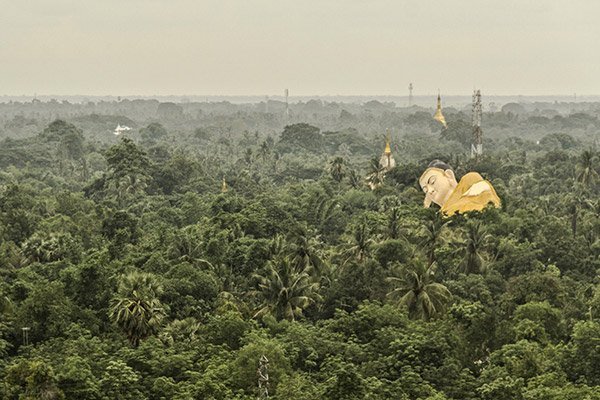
400 101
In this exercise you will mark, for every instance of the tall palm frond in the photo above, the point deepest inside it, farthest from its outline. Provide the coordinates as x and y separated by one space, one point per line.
136 309
306 251
375 174
337 168
587 175
418 292
433 232
360 244
284 291
475 240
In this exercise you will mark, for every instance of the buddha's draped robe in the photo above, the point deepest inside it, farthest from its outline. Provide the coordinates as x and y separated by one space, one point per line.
472 193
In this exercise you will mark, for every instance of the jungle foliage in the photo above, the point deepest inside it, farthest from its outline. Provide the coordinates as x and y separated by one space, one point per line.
163 264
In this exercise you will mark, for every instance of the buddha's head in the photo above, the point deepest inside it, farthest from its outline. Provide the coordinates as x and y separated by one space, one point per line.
438 183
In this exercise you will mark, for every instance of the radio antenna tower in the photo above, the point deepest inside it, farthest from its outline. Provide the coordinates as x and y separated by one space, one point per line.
287 104
263 377
410 95
477 145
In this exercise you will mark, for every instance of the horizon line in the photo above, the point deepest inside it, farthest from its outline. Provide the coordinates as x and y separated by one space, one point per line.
36 95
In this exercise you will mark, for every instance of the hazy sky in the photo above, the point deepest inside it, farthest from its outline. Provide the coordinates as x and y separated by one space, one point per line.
238 47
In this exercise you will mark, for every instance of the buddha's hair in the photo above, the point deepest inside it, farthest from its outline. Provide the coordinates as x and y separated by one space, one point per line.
439 164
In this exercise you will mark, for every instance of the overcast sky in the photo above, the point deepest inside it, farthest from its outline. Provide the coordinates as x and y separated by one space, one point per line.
320 47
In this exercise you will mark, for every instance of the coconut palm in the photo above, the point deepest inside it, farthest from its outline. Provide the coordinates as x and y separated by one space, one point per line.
277 245
354 179
5 305
576 201
337 168
393 226
433 232
187 245
418 292
184 330
306 251
375 174
136 308
285 291
359 247
387 203
476 238
587 175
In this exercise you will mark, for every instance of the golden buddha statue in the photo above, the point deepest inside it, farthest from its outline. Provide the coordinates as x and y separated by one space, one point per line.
472 193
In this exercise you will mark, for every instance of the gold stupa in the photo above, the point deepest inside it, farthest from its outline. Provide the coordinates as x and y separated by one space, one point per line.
387 160
224 187
438 113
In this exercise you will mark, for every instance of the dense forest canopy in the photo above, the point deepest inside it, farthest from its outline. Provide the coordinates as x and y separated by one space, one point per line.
164 262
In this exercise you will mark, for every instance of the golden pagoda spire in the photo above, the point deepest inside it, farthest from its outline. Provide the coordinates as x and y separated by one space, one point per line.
224 187
438 113
387 160
388 139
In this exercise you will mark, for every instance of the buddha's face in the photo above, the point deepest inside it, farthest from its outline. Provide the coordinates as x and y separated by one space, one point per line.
438 185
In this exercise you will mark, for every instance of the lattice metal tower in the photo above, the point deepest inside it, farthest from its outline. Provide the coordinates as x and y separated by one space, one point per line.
263 377
25 330
287 104
410 95
477 145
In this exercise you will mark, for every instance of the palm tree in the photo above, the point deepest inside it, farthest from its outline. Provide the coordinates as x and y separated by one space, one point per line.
337 168
184 330
187 245
394 223
375 174
306 251
389 202
476 238
433 231
136 308
587 175
360 245
5 305
354 179
594 206
418 292
322 209
264 150
543 206
576 200
586 178
284 291
277 245
12 255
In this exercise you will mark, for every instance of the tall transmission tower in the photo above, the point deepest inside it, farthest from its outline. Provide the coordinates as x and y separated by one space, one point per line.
410 95
287 104
25 330
263 377
477 145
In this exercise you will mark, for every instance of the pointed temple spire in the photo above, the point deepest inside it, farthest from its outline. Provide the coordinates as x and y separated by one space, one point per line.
438 113
387 150
387 160
224 187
